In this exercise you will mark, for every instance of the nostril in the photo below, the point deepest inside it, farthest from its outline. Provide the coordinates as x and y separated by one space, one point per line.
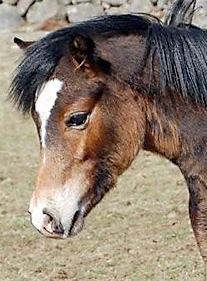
52 224
49 215
58 228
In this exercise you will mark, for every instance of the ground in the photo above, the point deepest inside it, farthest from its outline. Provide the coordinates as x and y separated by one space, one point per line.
139 232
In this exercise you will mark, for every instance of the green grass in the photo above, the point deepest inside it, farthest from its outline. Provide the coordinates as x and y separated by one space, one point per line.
140 231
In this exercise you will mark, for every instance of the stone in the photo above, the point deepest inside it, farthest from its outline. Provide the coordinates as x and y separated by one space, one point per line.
116 10
114 3
97 2
84 11
200 21
23 6
201 5
154 2
200 14
163 4
51 25
45 10
65 2
9 17
10 2
75 2
105 6
140 6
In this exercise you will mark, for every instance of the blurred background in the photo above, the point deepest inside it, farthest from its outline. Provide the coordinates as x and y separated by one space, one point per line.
140 231
47 14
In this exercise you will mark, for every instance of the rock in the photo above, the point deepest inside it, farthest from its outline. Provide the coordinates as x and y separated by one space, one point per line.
105 6
140 6
75 2
51 24
65 2
23 6
114 3
9 17
10 2
154 2
163 4
44 10
200 14
97 2
84 11
200 21
116 10
202 7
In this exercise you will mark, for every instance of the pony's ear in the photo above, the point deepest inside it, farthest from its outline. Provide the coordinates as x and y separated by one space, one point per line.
82 48
23 44
83 51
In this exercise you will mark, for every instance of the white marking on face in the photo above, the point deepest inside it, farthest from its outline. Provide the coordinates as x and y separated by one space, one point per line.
66 203
46 100
63 204
38 216
64 207
61 201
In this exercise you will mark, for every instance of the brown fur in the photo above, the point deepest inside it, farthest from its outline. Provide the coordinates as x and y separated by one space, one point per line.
124 120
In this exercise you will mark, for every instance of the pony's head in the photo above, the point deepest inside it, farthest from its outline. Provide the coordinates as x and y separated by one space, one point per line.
88 135
95 91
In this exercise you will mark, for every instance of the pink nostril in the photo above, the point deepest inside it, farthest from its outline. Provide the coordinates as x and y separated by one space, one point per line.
52 224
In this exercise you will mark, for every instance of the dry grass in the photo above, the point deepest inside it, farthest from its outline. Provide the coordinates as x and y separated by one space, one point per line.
140 231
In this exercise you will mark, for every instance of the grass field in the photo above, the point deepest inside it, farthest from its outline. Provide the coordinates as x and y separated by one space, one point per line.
140 231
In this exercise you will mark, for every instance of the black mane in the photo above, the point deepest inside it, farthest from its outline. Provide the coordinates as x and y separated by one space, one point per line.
182 49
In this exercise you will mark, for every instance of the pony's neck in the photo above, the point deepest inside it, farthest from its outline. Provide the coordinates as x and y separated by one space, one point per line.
177 130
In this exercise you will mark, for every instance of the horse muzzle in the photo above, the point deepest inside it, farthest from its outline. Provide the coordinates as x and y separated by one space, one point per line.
53 226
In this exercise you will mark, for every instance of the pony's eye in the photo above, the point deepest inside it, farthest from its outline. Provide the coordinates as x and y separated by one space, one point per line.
78 120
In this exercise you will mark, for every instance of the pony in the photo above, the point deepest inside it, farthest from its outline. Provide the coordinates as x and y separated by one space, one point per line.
100 91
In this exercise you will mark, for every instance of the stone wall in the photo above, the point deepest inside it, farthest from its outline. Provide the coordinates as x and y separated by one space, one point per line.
16 13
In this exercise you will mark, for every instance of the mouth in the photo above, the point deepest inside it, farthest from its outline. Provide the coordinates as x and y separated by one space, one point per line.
53 235
50 231
51 228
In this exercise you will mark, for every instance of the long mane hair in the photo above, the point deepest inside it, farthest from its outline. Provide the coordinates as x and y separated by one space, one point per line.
181 48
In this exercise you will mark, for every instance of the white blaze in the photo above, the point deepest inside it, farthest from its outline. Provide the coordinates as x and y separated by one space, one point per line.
38 216
63 204
45 102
